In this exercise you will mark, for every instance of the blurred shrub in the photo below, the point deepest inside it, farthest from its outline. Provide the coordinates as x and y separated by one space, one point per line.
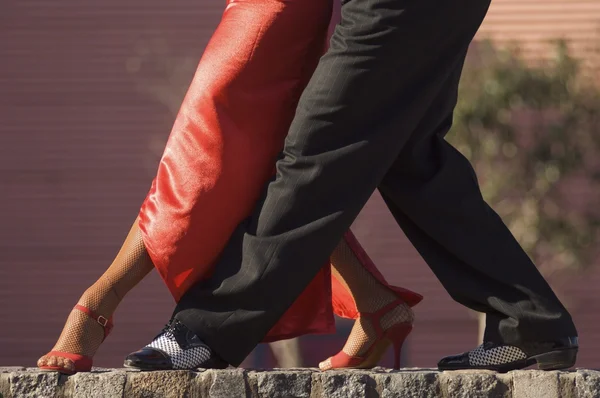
532 133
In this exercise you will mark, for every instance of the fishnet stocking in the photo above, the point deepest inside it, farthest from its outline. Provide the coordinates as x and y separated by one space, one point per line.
369 295
83 335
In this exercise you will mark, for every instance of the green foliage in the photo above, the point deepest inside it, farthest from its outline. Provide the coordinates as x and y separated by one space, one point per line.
533 135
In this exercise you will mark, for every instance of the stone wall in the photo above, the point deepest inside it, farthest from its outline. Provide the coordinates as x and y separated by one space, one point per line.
232 383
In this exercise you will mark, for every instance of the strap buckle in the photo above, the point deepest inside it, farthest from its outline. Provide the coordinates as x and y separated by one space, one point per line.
102 321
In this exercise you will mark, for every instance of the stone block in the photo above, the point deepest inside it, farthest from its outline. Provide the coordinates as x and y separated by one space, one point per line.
29 384
475 384
283 384
588 384
159 384
536 383
97 385
567 387
229 383
4 385
11 369
409 384
343 384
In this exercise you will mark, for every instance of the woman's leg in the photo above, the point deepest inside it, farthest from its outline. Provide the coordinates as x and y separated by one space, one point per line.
82 334
222 149
229 132
360 290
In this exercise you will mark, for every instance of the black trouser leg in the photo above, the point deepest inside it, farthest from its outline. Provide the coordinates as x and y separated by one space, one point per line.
388 61
433 193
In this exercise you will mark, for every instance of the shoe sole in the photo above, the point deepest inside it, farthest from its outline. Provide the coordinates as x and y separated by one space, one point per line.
209 365
142 368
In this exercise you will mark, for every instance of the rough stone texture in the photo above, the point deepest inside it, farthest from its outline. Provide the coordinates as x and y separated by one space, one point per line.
97 385
412 384
283 384
25 384
163 384
230 383
567 384
5 379
472 384
588 384
351 384
4 385
535 383
309 383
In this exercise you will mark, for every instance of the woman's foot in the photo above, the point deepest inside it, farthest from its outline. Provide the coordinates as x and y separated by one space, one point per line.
81 337
371 335
89 323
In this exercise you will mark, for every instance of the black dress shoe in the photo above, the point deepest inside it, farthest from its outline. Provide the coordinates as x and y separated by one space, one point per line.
175 347
553 355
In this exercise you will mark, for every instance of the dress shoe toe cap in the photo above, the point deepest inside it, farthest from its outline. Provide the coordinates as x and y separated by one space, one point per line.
454 362
149 359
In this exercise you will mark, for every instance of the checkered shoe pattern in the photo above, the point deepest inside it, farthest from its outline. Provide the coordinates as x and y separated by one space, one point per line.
190 358
486 355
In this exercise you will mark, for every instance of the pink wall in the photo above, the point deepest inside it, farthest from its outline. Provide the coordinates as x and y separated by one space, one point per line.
78 147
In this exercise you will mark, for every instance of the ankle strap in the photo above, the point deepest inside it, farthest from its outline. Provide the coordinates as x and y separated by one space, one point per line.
375 317
106 323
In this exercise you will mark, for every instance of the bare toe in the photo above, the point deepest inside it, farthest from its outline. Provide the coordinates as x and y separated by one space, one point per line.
325 365
42 361
66 363
51 361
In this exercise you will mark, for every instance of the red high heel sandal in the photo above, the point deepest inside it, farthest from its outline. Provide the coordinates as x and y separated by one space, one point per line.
81 363
394 335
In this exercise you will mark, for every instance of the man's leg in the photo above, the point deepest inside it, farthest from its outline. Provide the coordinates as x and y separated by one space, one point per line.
433 193
387 62
471 250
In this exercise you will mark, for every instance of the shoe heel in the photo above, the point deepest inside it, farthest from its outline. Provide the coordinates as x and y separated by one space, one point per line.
556 360
397 335
397 354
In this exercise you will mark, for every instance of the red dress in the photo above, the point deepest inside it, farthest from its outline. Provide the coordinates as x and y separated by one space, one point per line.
223 147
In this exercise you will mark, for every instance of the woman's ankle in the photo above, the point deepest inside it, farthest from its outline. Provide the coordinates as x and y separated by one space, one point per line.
376 300
101 300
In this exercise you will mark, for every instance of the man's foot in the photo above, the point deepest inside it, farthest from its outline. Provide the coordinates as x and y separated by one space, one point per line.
176 347
554 355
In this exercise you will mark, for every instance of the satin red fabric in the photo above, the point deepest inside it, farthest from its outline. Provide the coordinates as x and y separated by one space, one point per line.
223 147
